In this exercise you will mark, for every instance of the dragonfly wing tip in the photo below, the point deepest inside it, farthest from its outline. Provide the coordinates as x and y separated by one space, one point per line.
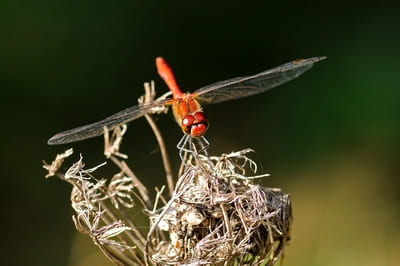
52 141
319 58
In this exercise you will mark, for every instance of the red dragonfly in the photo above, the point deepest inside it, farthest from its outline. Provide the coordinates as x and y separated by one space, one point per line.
186 107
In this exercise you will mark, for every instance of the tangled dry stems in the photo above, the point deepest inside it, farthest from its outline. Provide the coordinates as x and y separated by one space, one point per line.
216 213
218 216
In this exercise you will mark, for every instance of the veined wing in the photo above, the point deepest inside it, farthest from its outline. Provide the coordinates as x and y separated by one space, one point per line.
97 128
245 86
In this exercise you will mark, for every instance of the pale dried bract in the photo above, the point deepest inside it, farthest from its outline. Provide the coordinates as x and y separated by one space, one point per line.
56 164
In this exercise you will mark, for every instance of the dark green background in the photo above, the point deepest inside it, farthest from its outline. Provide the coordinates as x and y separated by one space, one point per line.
329 138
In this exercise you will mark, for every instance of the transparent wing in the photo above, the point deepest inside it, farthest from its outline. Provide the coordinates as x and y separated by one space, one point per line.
97 128
245 86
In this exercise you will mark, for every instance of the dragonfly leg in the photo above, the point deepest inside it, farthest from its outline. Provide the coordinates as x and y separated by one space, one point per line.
182 147
183 143
203 143
195 146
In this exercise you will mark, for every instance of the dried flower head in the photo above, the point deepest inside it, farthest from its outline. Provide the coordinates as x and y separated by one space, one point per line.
215 214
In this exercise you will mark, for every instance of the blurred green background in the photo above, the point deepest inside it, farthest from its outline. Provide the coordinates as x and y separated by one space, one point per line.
330 138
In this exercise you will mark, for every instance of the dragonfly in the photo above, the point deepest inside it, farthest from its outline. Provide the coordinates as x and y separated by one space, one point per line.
187 107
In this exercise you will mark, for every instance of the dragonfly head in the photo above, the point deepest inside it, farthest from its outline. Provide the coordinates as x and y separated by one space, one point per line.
195 124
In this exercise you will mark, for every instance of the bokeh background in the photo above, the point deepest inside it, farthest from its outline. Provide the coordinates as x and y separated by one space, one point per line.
330 138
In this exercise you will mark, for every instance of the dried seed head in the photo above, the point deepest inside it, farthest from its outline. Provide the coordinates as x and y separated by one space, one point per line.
218 215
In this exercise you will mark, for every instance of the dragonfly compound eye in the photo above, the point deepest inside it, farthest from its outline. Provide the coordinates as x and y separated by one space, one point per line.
187 123
200 125
195 125
198 129
200 117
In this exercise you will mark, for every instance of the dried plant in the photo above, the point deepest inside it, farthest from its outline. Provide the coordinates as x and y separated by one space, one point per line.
214 214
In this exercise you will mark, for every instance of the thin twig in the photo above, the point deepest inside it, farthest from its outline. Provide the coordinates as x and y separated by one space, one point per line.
114 218
110 254
142 189
229 231
160 140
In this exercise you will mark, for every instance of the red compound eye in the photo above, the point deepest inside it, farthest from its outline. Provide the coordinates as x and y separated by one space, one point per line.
198 130
195 125
188 120
187 123
200 117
